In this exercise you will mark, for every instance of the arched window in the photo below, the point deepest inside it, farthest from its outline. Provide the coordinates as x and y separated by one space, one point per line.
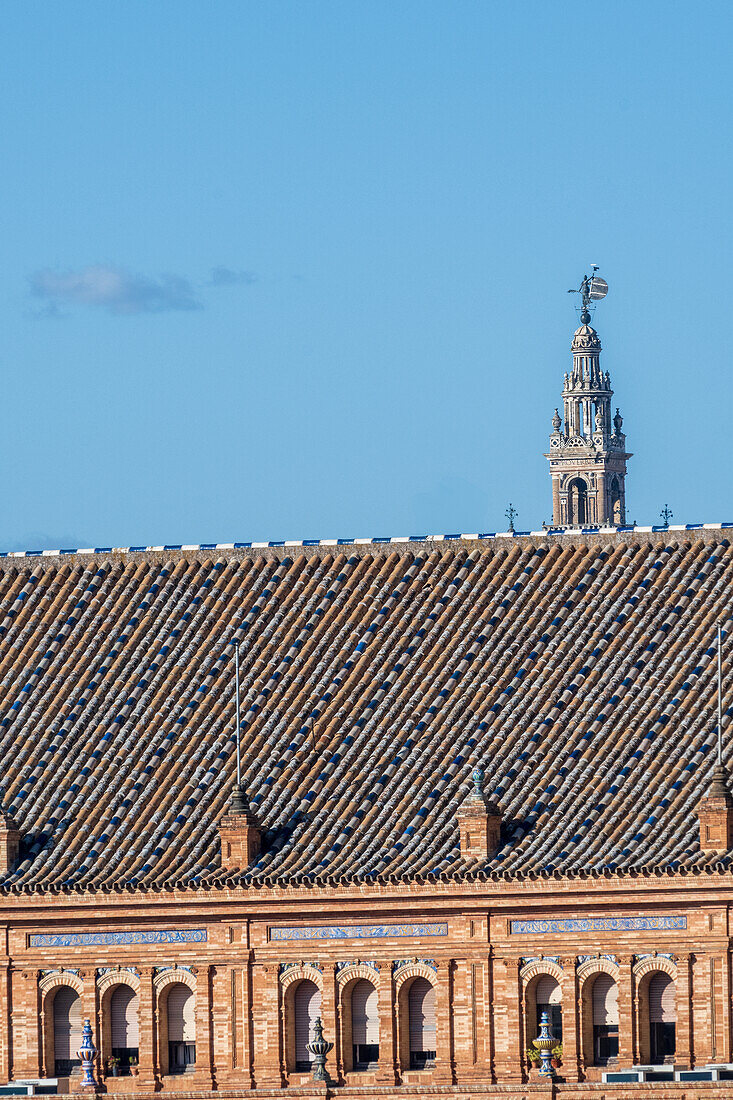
577 501
181 1012
616 512
662 1019
548 998
422 1024
123 1006
307 1011
365 1025
66 1030
605 1020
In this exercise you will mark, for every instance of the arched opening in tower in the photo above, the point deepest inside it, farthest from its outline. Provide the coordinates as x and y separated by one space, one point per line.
578 501
617 512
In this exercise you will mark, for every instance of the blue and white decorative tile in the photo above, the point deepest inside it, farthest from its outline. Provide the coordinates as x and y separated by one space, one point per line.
596 924
118 939
358 932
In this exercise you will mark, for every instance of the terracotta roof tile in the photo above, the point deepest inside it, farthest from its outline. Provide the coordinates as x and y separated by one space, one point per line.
374 678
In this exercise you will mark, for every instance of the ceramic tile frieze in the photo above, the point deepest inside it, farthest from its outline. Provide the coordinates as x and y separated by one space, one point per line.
118 939
358 932
596 924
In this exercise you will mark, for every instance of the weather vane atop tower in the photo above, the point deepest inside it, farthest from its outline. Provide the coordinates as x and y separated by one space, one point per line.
592 289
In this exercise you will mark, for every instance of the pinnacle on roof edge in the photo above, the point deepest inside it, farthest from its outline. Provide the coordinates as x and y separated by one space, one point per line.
719 786
239 803
477 796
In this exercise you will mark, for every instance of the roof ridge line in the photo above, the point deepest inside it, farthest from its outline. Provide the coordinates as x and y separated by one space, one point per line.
483 536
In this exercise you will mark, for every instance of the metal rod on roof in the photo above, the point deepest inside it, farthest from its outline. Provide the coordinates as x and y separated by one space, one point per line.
236 708
720 694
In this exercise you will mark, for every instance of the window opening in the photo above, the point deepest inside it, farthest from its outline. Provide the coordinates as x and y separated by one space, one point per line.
421 1005
605 1020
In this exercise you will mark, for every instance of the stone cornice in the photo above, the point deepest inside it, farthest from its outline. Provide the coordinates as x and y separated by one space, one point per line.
561 893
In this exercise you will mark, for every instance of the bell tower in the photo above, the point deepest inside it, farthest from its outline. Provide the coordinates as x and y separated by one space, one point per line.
587 446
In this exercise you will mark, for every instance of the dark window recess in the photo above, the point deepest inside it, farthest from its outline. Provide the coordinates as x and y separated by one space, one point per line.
181 1057
303 1067
422 1059
663 1043
128 1056
366 1055
605 1043
64 1067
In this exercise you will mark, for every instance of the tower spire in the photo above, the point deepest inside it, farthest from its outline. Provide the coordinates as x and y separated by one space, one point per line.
588 454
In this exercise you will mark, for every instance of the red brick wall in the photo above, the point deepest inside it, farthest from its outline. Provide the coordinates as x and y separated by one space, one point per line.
479 968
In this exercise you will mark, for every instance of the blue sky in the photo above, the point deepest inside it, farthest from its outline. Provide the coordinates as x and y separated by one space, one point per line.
299 270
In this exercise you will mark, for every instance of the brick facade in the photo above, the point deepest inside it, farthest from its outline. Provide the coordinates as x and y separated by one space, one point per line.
484 964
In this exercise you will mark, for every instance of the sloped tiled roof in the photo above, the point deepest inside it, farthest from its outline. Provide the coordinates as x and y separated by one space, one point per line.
579 670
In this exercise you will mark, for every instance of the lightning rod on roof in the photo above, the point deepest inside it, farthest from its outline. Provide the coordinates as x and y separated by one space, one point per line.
238 804
236 712
720 693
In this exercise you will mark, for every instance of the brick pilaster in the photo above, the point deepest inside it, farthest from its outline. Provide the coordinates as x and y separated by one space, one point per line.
244 1026
701 1022
684 1012
266 1027
5 1036
90 1011
627 1012
570 1022
506 1008
204 1074
148 1078
328 1018
462 1011
722 1001
472 1022
443 1072
239 1071
339 1037
25 1061
387 1071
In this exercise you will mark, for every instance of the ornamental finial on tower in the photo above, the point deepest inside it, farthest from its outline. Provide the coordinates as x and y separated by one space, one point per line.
587 456
592 289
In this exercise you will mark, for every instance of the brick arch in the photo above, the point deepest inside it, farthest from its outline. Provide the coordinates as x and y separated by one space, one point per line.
48 987
358 970
118 977
348 979
655 963
173 976
304 972
644 972
403 979
289 982
586 975
529 975
414 970
60 977
163 984
540 966
106 986
593 967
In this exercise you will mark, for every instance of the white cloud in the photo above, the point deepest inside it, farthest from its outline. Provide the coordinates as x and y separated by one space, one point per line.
225 276
114 289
